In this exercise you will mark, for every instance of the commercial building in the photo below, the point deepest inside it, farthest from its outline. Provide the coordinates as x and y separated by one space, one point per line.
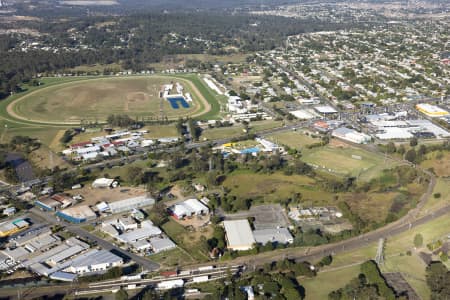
351 135
303 114
239 235
275 235
36 240
48 204
130 204
389 130
9 211
94 261
139 234
11 227
127 223
188 208
431 110
159 244
325 110
55 259
77 214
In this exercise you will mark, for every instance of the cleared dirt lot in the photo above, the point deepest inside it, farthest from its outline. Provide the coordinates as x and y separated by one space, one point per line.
93 196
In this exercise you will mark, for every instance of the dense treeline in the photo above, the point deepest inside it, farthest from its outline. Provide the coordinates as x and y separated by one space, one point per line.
438 279
135 41
369 284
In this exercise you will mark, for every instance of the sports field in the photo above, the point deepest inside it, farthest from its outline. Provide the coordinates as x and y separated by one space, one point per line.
95 99
347 161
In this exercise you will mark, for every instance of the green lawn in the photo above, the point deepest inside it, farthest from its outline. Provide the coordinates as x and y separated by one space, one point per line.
345 161
188 241
172 258
293 139
412 267
442 187
327 281
413 270
275 186
439 161
222 132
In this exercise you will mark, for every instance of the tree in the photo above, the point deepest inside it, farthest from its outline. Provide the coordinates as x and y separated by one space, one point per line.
158 214
411 155
134 175
418 240
326 260
437 277
390 148
121 295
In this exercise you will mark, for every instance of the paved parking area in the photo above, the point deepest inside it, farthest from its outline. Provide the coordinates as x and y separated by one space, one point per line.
266 216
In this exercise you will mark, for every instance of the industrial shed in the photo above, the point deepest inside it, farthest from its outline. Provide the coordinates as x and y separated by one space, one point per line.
188 208
161 244
275 235
239 235
94 261
77 214
139 234
130 204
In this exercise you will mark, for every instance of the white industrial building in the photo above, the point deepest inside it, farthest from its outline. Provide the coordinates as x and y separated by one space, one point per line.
389 130
188 208
325 109
236 105
131 203
431 110
351 135
94 261
273 235
239 235
139 234
159 244
303 114
104 183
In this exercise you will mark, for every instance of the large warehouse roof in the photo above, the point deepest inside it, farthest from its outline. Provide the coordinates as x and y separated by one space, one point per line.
139 234
325 109
95 257
275 235
129 204
239 234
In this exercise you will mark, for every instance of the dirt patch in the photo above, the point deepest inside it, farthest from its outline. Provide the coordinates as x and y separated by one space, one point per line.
338 144
194 222
94 196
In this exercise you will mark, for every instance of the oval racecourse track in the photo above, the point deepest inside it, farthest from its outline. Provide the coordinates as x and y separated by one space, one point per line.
95 99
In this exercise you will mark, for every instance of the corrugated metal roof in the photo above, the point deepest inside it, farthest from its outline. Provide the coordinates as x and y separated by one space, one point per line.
239 234
278 235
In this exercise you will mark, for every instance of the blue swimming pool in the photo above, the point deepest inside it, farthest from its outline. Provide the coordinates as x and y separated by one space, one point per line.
250 150
176 101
